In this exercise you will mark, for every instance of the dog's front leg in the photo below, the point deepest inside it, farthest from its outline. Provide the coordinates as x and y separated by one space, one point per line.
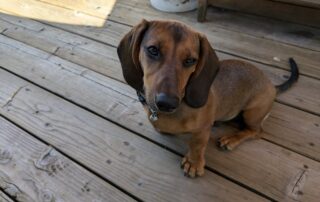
193 163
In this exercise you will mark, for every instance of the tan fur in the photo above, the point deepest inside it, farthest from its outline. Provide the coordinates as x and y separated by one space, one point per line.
238 87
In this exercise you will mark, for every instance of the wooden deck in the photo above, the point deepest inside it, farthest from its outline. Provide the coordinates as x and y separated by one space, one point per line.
71 130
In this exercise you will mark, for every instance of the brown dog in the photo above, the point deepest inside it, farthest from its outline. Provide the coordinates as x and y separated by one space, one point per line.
185 88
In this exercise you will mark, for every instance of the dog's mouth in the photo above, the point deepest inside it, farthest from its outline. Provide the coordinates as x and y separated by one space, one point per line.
168 111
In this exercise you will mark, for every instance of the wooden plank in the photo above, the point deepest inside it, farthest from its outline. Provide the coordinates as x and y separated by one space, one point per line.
31 171
273 9
117 102
133 163
2 29
308 3
103 59
49 13
304 94
263 27
24 22
4 197
97 8
294 129
243 45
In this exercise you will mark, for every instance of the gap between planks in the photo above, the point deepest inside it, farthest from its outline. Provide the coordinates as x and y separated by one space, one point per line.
4 197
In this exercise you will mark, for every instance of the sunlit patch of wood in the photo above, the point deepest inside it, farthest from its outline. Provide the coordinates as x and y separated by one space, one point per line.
72 12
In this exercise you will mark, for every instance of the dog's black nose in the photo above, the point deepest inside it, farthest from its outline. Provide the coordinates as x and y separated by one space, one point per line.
166 103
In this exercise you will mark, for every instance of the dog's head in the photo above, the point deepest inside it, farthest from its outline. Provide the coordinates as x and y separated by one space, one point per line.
169 62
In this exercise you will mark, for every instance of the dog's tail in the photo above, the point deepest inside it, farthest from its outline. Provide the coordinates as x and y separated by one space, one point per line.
292 79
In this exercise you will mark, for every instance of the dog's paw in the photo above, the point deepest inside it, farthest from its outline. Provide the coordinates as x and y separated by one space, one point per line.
192 169
228 142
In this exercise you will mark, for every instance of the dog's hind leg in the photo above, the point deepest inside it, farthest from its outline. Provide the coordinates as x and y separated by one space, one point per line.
253 118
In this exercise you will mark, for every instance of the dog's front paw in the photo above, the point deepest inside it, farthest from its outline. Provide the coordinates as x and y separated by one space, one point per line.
192 168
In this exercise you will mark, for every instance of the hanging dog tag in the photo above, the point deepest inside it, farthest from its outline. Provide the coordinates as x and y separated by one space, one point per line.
154 116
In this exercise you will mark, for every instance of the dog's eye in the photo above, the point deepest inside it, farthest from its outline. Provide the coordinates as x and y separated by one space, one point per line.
153 51
189 62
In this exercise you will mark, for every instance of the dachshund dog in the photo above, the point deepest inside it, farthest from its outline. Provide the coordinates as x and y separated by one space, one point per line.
185 88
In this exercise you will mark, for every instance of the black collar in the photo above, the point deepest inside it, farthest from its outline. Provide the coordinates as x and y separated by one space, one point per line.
142 99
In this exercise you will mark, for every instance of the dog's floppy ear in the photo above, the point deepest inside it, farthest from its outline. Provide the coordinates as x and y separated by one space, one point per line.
198 87
128 52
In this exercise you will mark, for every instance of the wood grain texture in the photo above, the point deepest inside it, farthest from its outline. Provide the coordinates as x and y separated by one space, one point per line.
263 27
4 197
103 58
31 171
273 9
97 8
133 163
302 135
117 102
43 11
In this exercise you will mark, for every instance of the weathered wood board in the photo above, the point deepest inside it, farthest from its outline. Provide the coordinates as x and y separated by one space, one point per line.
31 171
97 8
47 12
4 197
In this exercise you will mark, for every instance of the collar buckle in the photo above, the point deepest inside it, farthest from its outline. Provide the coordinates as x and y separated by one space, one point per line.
154 115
